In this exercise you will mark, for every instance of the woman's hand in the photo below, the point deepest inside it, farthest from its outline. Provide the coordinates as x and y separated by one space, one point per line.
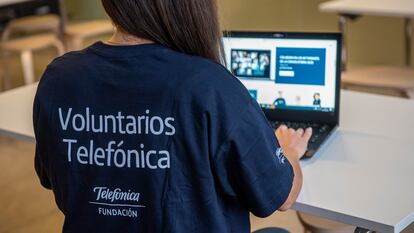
294 143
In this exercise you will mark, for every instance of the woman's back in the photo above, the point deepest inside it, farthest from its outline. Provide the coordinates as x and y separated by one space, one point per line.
145 139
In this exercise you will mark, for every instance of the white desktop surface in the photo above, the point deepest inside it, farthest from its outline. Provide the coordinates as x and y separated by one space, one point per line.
395 8
10 2
16 112
363 176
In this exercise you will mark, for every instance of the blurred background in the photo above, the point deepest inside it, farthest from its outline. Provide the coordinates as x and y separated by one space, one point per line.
373 40
30 42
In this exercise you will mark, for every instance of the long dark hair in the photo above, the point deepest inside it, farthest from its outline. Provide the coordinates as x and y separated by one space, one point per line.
188 26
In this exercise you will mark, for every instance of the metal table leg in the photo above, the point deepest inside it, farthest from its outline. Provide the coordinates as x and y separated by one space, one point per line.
343 19
342 29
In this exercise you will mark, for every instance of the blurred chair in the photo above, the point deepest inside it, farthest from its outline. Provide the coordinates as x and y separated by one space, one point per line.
313 224
29 41
32 24
25 47
75 34
398 80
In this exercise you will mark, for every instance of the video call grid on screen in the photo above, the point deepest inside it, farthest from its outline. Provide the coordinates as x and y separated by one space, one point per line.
301 72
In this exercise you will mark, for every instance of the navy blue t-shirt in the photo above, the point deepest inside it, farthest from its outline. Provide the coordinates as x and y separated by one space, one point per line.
146 139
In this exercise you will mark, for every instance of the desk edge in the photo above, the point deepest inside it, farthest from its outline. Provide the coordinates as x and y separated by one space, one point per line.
17 136
344 218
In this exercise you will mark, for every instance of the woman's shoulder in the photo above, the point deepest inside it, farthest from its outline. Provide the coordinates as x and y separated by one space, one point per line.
71 60
199 70
210 80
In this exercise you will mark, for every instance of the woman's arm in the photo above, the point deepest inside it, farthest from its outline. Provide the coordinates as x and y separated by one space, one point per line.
294 144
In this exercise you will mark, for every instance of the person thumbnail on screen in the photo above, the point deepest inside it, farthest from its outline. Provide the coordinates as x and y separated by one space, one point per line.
280 101
250 63
317 99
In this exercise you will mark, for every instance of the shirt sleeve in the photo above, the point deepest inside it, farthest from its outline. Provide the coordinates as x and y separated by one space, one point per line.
41 106
250 165
40 152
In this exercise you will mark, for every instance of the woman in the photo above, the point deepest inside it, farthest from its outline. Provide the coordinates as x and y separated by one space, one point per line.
147 132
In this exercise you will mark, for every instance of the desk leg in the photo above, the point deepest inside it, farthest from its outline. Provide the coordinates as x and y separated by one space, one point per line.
27 64
343 19
362 230
408 34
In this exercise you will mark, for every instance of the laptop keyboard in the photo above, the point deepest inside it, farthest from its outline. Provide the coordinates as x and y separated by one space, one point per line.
319 132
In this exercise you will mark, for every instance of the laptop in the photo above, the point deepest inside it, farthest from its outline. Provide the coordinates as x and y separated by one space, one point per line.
295 78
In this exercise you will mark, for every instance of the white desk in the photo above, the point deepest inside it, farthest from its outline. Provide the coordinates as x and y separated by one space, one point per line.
395 8
362 177
16 112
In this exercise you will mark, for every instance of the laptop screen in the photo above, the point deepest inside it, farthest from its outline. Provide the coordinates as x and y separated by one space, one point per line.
285 73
